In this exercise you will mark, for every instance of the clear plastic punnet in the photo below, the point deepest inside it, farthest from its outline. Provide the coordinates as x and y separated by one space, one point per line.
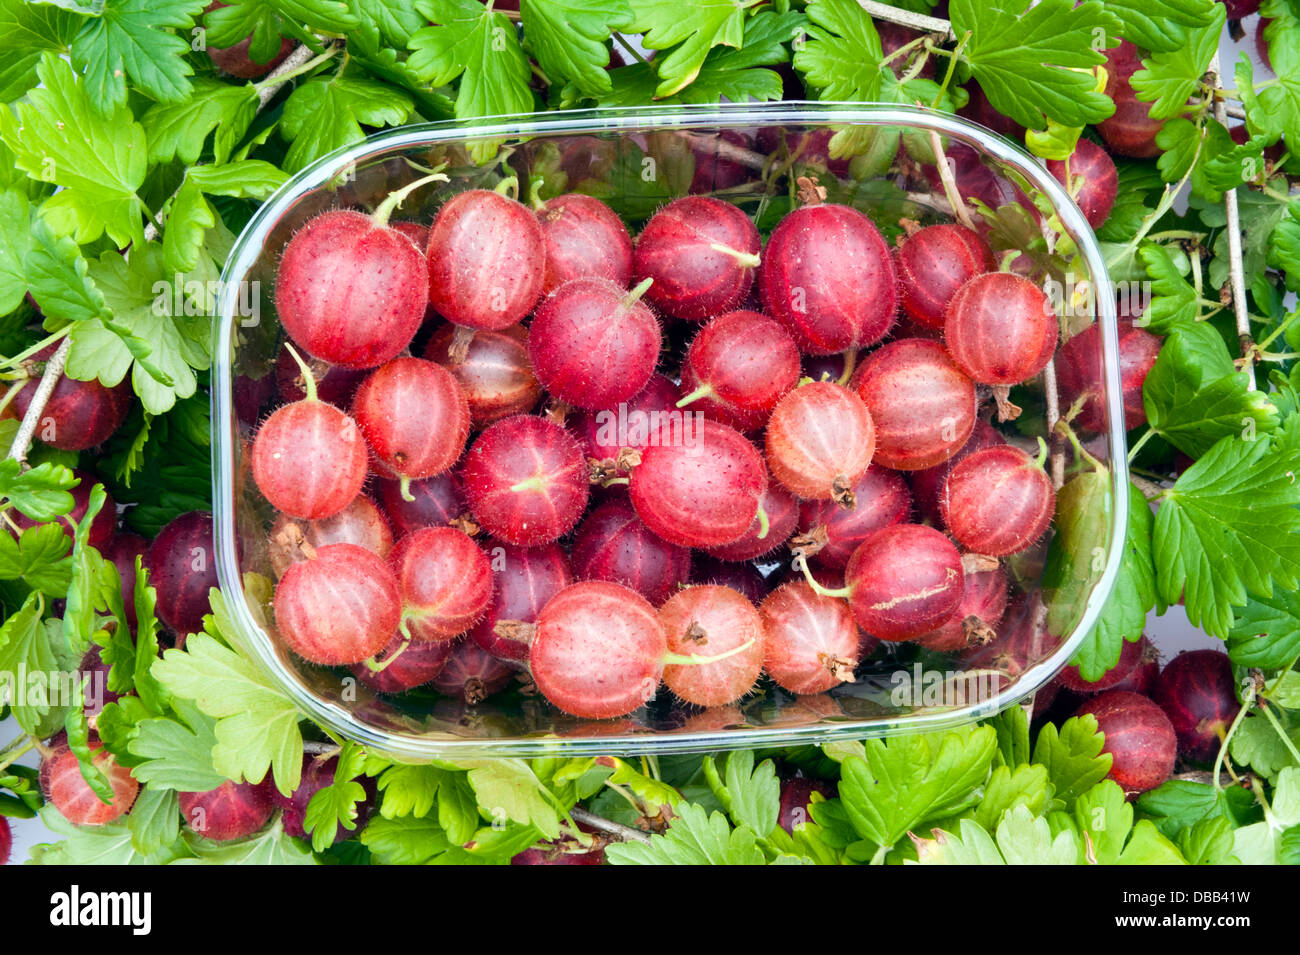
766 159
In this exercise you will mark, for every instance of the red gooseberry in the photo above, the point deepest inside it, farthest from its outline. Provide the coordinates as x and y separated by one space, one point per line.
922 405
338 607
828 277
526 480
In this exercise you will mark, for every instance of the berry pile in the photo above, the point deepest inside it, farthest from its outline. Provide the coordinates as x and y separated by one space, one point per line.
1154 718
491 462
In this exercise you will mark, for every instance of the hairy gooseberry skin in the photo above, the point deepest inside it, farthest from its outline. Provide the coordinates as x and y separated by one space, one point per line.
360 523
882 499
78 414
65 787
613 544
526 480
812 641
445 581
1139 738
349 291
417 232
1001 329
439 500
749 362
705 621
1131 657
927 483
416 664
1130 130
598 650
693 279
828 277
6 840
1100 180
182 565
997 501
704 494
309 459
338 608
414 417
496 375
905 580
975 621
711 406
471 674
590 346
782 510
1197 692
933 263
523 580
1261 49
231 811
820 439
584 239
486 260
1143 677
1079 374
922 405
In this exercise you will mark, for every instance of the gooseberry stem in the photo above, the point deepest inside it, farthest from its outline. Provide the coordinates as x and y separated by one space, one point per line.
374 667
394 200
508 186
801 563
747 259
701 392
308 379
694 659
635 294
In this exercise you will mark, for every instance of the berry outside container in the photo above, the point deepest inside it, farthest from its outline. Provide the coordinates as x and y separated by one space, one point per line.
761 158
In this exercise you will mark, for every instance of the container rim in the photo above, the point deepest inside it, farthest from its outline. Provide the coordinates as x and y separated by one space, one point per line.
337 716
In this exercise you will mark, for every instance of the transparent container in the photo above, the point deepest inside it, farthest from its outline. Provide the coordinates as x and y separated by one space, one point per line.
637 159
